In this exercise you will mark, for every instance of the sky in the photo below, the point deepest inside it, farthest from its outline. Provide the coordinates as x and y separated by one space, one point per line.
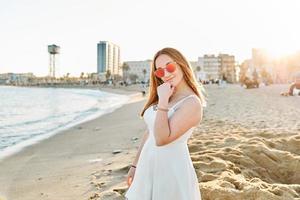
141 28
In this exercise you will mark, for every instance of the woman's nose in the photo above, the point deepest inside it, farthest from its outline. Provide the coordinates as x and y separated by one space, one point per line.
167 73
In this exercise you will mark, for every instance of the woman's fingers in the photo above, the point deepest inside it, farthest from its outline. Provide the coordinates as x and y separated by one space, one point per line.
172 89
130 176
129 180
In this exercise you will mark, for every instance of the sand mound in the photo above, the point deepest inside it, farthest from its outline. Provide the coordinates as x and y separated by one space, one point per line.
246 164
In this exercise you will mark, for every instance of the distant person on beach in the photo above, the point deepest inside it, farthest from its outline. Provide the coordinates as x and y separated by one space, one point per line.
294 88
163 169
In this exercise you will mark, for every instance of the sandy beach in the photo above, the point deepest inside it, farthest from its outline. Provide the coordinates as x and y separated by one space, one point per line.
247 147
61 167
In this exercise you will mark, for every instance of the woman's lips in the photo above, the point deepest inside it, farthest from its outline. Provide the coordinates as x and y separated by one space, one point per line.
169 79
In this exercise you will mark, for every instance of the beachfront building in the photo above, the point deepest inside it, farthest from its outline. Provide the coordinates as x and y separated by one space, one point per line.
140 69
3 79
214 67
16 78
210 64
228 68
108 58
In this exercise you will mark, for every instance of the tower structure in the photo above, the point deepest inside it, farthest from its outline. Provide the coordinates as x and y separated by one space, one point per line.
53 50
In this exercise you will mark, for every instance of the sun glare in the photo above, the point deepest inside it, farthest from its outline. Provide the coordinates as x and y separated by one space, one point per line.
279 52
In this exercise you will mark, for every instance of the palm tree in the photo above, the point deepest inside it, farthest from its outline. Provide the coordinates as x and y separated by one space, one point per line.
67 77
144 73
108 74
81 75
125 68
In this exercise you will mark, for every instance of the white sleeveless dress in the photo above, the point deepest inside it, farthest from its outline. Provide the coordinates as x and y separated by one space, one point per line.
164 172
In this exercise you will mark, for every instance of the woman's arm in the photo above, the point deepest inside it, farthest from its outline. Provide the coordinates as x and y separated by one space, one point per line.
188 115
131 172
145 136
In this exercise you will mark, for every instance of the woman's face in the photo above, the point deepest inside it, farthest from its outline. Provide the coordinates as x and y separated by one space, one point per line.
173 78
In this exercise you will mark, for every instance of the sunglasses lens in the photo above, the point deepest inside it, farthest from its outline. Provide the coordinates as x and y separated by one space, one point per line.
159 73
171 67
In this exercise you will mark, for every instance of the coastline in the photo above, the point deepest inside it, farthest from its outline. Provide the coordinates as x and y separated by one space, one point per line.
135 88
68 158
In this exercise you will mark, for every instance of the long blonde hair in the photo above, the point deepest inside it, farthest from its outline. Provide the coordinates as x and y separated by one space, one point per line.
188 76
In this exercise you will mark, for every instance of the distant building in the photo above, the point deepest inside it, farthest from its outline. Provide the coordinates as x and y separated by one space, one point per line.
210 64
228 68
214 67
3 78
108 58
16 78
139 68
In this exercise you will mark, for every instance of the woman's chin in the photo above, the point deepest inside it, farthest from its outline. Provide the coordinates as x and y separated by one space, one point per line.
171 83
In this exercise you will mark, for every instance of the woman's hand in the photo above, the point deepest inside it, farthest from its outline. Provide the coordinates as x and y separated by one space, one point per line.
130 175
164 91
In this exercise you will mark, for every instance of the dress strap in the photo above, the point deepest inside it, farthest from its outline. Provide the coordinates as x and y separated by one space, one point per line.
181 100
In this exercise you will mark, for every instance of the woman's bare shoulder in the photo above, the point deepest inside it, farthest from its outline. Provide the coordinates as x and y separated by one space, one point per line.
193 102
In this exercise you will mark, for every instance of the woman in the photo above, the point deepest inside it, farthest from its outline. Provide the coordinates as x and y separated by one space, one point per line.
162 169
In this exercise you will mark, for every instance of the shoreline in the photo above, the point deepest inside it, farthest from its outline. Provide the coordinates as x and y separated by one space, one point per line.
136 88
23 169
134 96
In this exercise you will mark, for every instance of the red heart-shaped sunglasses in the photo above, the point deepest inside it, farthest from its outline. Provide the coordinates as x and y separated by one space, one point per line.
160 72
